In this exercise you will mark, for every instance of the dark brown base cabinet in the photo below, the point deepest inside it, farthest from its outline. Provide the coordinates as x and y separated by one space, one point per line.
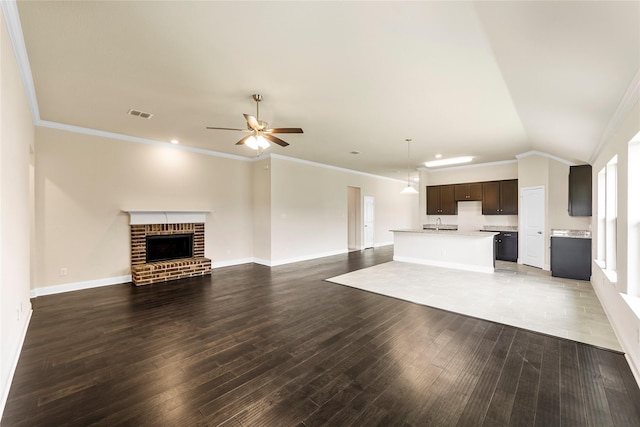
571 258
506 246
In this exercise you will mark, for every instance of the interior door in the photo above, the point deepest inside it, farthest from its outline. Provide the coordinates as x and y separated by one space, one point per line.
532 226
369 221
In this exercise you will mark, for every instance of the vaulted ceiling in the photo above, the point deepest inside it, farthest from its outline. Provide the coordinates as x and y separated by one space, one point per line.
486 79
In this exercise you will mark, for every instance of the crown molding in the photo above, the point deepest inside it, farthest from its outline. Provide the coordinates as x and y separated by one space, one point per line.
628 101
543 154
14 28
323 165
137 140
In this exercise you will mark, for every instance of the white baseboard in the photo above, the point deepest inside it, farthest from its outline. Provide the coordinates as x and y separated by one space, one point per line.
14 364
456 266
76 286
261 261
272 263
230 263
377 245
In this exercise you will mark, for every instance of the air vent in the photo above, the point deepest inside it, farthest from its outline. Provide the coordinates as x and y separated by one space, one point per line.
140 114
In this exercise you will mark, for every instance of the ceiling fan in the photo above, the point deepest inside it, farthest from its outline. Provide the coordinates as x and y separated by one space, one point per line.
259 131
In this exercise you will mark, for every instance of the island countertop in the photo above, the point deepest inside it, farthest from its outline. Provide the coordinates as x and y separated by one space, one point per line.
447 232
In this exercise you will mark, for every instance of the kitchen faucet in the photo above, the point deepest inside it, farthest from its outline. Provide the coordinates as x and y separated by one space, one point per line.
438 223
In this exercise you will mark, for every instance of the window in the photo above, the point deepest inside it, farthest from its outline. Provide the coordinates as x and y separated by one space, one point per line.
611 213
601 219
607 217
633 218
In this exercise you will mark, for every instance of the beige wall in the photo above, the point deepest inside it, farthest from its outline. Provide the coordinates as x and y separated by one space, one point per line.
625 320
274 210
310 204
16 142
262 210
558 200
538 170
469 213
84 182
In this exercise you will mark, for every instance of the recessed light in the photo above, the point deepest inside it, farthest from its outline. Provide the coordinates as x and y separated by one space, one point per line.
175 141
438 156
451 161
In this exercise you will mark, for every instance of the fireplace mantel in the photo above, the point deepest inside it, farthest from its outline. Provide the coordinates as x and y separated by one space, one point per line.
166 217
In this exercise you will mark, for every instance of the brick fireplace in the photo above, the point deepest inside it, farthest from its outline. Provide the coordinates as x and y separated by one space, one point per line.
145 224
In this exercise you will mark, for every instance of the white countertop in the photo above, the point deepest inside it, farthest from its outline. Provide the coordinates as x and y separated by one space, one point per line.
575 234
449 232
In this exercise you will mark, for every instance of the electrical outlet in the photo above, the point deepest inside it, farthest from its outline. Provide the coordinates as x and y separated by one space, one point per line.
18 314
63 271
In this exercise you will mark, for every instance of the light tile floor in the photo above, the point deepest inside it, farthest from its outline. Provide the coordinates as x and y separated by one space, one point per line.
515 295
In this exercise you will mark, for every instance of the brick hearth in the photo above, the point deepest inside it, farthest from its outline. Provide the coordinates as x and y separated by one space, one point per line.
143 273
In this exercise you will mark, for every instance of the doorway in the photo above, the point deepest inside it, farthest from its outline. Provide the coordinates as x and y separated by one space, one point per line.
532 226
354 219
369 221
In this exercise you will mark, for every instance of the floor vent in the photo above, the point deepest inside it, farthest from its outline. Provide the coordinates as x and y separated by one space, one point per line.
141 114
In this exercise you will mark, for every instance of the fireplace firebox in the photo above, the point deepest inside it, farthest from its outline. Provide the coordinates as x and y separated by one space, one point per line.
169 247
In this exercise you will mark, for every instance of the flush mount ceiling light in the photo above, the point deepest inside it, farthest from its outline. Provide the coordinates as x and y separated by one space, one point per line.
451 161
408 189
174 141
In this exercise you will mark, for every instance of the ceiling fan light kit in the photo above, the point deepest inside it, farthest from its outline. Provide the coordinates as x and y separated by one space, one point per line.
257 142
261 134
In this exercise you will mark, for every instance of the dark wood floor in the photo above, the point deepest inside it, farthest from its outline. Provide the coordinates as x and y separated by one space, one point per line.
259 346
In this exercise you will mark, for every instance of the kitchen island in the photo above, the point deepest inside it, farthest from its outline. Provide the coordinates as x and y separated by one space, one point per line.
462 250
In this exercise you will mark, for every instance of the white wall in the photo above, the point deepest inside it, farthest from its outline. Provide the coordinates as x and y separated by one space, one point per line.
262 211
16 142
619 307
84 182
310 207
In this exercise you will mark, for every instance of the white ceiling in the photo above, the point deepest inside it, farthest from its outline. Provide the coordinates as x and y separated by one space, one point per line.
487 79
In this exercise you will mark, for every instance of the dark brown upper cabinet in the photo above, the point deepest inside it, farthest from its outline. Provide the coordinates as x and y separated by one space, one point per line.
500 197
441 200
580 190
468 192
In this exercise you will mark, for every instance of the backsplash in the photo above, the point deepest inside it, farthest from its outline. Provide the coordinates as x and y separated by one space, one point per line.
470 218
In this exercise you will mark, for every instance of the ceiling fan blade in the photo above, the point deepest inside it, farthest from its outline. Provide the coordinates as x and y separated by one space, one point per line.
241 142
252 122
284 130
275 140
217 128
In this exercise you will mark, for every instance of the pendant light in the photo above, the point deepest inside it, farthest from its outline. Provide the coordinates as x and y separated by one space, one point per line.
408 189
